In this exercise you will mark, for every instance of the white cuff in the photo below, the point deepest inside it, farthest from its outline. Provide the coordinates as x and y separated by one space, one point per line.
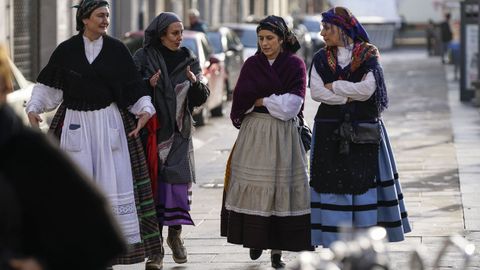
143 104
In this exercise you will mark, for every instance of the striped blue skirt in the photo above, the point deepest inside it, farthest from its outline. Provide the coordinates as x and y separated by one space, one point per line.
380 206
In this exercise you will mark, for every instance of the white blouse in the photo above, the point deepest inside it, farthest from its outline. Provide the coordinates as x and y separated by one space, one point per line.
341 90
283 107
45 98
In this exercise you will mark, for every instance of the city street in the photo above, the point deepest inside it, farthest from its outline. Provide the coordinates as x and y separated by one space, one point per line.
436 140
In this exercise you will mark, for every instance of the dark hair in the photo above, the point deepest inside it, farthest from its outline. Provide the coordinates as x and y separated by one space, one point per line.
343 12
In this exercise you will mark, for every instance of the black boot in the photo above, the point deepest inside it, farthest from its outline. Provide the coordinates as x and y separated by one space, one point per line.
255 253
277 261
155 262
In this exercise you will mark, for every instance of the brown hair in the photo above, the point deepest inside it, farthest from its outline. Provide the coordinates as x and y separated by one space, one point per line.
6 85
343 12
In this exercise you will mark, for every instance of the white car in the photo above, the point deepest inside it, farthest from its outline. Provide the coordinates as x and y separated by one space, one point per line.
22 91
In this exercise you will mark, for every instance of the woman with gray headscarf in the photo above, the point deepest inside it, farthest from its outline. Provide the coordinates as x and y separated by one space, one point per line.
94 78
176 84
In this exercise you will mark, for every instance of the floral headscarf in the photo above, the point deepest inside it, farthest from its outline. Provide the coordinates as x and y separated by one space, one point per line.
350 26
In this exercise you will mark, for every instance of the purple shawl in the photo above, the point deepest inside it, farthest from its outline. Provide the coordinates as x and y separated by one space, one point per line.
258 79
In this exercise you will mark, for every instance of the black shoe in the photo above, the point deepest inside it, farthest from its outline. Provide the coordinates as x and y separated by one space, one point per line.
255 253
277 261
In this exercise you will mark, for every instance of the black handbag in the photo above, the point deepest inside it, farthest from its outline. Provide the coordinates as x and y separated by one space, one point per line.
367 133
305 134
358 133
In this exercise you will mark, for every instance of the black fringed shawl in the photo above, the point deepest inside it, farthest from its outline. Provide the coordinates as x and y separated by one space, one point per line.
111 77
355 173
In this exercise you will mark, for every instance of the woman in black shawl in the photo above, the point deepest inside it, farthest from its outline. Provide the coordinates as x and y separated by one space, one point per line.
174 78
94 77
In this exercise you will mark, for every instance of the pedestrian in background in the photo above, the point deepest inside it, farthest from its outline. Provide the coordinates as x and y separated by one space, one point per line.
267 196
94 77
430 34
50 219
446 35
353 177
196 24
175 81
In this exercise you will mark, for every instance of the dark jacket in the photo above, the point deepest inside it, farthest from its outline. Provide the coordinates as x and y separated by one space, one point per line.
445 31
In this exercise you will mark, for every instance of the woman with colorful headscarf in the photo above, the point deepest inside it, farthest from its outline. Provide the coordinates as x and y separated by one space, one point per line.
94 78
353 177
174 78
267 197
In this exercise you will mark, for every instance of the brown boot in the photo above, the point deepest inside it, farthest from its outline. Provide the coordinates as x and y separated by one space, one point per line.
179 253
155 262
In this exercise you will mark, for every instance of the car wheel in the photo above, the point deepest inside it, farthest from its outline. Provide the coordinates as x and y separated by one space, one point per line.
220 109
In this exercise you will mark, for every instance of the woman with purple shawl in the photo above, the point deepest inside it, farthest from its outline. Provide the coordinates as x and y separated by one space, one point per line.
354 183
267 198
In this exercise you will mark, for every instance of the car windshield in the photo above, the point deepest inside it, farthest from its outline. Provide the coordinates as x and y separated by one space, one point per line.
248 37
191 44
312 25
216 41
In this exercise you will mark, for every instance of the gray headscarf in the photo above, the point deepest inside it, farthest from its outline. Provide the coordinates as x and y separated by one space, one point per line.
156 28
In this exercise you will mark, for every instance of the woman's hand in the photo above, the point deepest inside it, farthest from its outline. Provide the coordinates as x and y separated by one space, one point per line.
329 86
142 120
34 119
190 75
25 264
259 102
154 78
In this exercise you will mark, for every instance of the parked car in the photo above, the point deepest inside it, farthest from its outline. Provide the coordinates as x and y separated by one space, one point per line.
247 33
228 48
22 91
133 40
212 68
304 38
306 50
248 36
313 23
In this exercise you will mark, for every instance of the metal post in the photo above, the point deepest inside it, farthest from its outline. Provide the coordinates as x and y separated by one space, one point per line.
476 84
